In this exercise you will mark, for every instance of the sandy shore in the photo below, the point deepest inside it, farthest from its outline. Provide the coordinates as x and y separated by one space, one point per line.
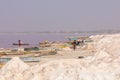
69 54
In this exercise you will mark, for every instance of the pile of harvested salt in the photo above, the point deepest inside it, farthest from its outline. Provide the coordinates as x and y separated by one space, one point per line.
13 69
109 44
69 69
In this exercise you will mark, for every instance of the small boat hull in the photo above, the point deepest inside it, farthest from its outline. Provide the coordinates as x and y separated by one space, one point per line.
25 59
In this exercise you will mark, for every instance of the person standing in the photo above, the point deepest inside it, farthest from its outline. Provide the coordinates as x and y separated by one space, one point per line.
74 44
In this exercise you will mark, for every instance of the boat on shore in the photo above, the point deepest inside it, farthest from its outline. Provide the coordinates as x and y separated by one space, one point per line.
20 44
25 59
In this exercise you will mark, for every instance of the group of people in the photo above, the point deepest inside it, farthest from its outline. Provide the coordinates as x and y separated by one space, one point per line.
76 42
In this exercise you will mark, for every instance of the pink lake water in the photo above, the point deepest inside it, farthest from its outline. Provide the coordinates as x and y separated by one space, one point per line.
6 40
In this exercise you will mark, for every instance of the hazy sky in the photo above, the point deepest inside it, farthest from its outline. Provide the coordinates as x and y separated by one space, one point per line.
57 15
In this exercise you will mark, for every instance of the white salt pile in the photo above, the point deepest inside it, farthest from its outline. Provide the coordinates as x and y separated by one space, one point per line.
108 44
13 69
104 65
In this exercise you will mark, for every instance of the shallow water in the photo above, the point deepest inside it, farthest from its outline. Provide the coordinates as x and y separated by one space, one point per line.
7 39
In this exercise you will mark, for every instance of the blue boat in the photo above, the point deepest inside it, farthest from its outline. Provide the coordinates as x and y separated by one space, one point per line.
3 60
25 59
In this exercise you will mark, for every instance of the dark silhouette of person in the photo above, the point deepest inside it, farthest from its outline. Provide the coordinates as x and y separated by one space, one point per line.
74 44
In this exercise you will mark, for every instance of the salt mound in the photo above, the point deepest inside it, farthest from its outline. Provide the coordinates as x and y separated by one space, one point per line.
70 69
97 37
74 69
14 67
108 44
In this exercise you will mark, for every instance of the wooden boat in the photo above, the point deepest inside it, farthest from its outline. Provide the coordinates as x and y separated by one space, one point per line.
19 44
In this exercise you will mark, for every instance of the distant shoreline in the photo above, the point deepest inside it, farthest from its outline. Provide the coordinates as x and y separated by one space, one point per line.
61 32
